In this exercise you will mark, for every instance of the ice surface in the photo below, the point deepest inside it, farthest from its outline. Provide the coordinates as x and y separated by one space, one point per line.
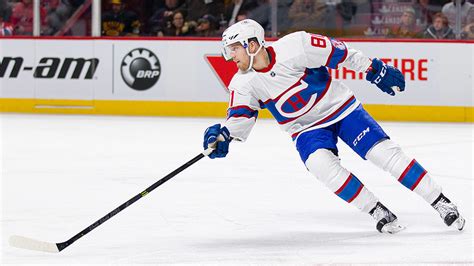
258 206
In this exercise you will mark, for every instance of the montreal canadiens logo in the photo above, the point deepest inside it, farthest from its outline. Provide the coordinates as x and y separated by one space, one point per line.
140 69
296 102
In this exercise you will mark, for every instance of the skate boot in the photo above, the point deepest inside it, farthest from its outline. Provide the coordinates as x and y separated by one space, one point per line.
387 222
448 212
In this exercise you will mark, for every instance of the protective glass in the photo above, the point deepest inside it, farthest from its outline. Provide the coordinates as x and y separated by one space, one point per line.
226 53
226 50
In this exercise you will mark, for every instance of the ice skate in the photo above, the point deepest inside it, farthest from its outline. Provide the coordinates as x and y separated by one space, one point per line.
387 222
448 212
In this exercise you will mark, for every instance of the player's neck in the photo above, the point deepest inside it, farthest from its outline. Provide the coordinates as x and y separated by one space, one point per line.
261 60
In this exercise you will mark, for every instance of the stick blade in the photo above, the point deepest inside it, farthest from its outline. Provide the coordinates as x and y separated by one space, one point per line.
32 244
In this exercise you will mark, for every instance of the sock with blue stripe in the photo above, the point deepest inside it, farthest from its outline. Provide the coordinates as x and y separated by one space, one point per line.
390 157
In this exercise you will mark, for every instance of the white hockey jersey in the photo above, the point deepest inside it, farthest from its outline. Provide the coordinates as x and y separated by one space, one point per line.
296 87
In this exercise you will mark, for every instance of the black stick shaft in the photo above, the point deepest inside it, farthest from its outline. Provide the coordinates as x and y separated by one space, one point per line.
120 208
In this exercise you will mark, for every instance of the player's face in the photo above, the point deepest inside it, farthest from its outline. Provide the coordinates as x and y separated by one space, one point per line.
239 56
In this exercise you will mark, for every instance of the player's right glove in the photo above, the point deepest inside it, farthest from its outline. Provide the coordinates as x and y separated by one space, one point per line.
217 138
387 78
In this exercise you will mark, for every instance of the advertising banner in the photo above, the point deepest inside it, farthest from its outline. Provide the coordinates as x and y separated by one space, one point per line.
105 74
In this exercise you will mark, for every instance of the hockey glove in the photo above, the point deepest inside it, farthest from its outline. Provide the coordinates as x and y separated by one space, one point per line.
387 78
217 138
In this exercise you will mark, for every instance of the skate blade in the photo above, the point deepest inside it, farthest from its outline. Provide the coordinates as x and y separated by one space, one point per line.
393 228
459 223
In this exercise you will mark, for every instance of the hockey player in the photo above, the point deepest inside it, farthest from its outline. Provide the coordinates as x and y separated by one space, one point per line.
290 78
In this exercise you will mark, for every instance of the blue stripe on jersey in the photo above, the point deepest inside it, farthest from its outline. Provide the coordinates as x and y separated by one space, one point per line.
318 80
412 175
242 111
338 53
350 189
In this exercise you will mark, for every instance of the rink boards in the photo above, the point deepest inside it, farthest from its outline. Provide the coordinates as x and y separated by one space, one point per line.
176 77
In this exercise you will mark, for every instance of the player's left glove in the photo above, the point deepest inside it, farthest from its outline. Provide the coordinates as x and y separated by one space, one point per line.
217 138
386 77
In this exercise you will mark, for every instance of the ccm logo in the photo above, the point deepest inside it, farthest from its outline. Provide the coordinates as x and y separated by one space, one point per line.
361 135
382 74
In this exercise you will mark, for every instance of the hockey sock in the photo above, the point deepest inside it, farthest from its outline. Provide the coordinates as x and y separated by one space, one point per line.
326 167
390 157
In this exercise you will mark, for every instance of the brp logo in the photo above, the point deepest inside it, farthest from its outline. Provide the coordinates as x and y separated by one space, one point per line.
140 69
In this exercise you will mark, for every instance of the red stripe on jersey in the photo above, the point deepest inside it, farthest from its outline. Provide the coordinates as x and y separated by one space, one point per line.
343 58
330 55
294 135
237 116
232 98
337 111
242 107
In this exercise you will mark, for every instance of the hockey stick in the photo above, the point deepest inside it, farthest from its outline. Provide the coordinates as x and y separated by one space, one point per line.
33 244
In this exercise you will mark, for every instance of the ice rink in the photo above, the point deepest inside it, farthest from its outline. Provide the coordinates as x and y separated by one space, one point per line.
258 206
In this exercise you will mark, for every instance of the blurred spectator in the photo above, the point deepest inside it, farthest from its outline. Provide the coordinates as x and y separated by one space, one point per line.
195 9
177 26
57 14
162 15
58 19
439 29
467 11
425 10
307 14
120 22
407 27
6 28
346 9
5 10
468 32
241 16
283 22
262 14
73 3
206 26
236 7
232 10
144 10
49 5
152 6
22 17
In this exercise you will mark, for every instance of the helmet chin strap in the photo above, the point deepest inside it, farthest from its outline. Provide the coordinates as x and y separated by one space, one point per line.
252 56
